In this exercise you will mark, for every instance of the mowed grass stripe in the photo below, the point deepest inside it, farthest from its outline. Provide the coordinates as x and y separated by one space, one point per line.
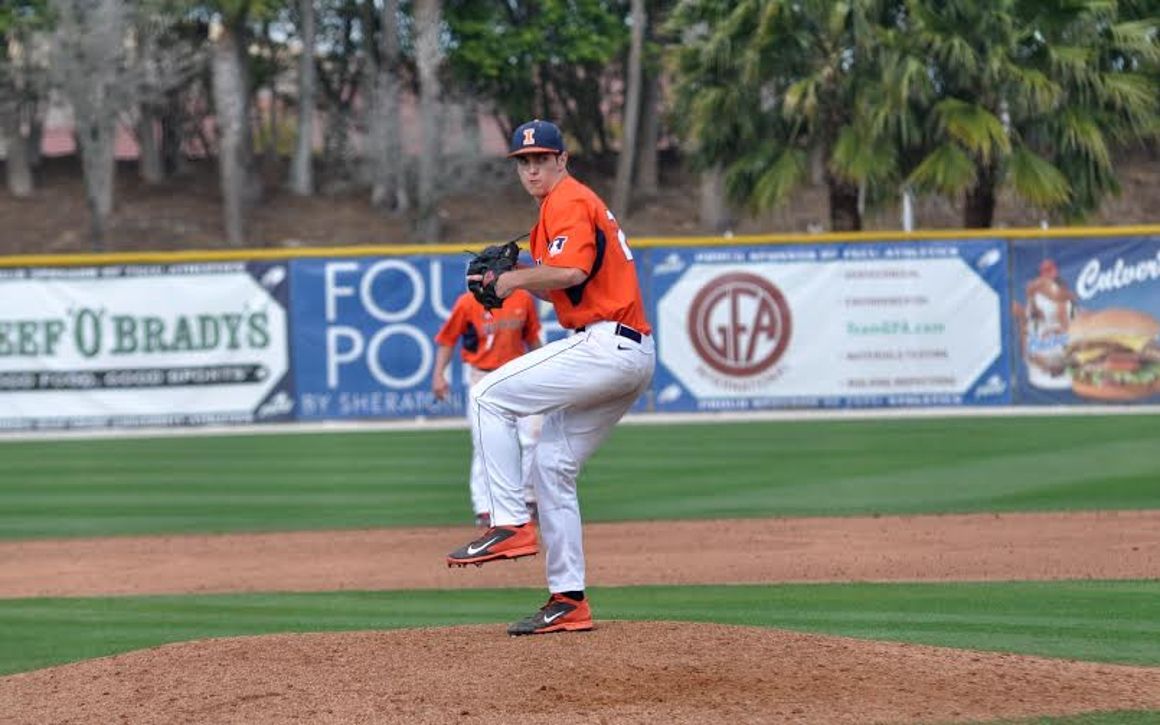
1091 620
1117 717
742 469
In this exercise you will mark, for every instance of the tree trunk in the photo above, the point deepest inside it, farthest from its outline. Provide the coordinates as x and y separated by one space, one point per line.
229 95
907 209
251 179
149 164
817 156
979 209
96 142
386 189
88 47
647 174
388 186
35 135
17 162
302 168
844 216
270 152
715 214
621 196
428 58
395 161
172 157
472 133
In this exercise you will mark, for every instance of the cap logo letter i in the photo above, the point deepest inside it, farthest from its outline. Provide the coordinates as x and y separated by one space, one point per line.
529 136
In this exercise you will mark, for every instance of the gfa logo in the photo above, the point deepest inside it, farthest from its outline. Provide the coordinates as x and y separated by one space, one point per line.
529 136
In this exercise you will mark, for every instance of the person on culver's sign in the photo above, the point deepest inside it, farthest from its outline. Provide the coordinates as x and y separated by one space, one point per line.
1044 325
582 384
489 339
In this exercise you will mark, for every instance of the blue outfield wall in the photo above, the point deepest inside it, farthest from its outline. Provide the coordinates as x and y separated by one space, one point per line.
751 326
828 321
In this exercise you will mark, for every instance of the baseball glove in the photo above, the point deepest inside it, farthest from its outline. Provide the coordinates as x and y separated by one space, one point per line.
489 265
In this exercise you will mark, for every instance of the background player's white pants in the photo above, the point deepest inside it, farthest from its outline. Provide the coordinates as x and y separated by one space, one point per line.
529 433
583 385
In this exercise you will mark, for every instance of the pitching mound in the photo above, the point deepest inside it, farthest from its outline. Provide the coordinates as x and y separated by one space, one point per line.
624 672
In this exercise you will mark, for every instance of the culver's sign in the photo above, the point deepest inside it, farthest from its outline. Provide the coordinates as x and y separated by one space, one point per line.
1093 279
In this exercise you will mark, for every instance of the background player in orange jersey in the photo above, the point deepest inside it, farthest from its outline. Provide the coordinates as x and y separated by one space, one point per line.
582 384
490 338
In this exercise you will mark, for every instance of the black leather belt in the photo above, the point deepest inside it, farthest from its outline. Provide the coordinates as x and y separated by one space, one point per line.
623 331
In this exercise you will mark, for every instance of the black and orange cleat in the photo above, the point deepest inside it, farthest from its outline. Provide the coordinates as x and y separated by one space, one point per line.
498 542
560 614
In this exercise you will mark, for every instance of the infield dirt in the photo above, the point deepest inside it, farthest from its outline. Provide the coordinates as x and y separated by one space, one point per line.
623 672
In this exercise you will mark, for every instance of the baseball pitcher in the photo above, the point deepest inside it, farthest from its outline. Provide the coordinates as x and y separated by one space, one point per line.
582 384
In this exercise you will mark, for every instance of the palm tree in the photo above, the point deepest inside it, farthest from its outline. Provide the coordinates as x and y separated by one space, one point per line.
763 84
1109 81
1029 94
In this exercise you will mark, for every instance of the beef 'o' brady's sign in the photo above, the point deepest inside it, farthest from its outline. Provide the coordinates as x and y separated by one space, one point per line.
143 345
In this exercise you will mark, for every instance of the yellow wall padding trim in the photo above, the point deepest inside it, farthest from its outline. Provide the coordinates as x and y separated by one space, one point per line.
244 255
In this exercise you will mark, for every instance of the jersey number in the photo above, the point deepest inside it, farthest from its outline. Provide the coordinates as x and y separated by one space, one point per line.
620 236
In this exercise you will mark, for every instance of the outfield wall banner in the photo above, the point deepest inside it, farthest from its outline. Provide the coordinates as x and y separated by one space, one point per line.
1086 316
364 331
364 328
144 345
363 335
835 325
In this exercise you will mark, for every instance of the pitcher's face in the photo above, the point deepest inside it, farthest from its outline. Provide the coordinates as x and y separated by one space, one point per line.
539 173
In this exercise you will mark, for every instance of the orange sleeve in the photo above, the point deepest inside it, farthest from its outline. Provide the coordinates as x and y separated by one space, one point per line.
571 235
453 328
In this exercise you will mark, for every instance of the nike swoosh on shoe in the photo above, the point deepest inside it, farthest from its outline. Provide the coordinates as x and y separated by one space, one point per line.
472 550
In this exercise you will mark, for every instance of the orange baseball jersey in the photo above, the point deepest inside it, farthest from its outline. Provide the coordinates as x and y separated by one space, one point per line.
575 229
503 333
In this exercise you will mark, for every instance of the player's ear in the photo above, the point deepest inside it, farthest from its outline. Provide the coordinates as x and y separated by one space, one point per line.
561 159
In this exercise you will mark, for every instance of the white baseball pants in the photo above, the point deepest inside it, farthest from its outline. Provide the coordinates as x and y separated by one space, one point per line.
529 433
583 385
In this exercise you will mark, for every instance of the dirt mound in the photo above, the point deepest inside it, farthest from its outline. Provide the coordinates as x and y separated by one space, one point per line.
623 672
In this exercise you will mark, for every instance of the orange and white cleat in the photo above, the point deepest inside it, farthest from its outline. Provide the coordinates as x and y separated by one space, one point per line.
560 614
498 542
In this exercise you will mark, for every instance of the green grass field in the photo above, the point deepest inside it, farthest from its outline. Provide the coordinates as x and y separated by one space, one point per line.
353 480
356 480
1115 622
